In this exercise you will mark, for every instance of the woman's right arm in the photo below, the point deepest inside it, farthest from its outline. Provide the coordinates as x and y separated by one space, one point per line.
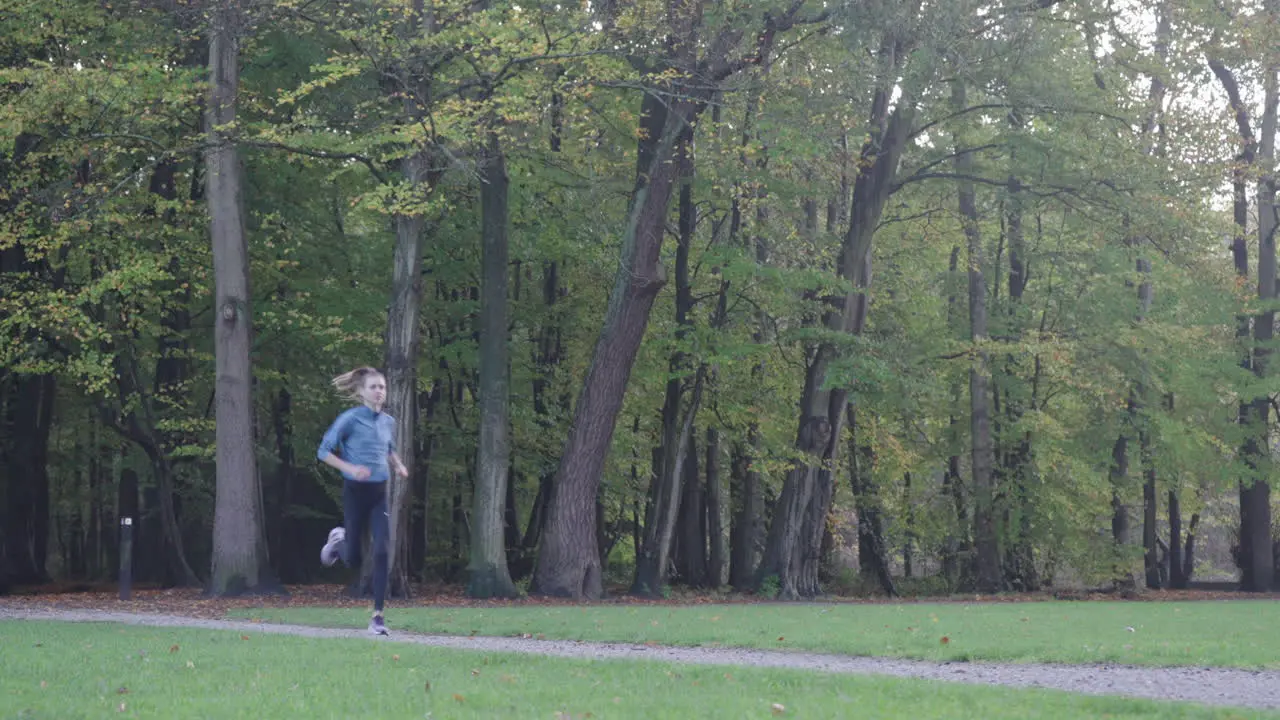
359 472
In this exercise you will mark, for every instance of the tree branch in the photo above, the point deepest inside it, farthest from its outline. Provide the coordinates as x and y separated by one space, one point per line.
322 154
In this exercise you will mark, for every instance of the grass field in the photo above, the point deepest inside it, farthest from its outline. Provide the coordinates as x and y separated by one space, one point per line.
67 671
1244 634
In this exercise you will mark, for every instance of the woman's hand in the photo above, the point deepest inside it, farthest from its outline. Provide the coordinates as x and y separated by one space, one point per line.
359 473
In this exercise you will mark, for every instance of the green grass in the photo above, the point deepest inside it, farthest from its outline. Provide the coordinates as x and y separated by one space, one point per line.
1244 634
67 671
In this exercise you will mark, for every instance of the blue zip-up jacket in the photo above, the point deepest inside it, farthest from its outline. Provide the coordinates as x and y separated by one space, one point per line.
362 437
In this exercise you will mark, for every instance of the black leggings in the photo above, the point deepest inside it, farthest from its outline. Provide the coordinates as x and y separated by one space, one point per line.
364 505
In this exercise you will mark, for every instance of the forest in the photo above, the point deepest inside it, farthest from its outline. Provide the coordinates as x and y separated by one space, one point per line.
791 297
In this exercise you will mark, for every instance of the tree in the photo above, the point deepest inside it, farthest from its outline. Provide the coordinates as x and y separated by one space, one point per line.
239 549
489 576
568 561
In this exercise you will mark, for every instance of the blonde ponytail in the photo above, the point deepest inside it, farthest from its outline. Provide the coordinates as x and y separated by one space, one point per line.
351 382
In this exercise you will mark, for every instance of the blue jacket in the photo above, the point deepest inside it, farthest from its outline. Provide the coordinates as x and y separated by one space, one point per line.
362 437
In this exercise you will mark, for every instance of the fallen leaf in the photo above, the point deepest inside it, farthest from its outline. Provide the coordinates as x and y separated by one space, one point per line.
781 638
945 640
715 618
122 690
506 678
122 708
190 664
458 697
778 708
44 683
475 672
396 658
244 637
173 648
426 686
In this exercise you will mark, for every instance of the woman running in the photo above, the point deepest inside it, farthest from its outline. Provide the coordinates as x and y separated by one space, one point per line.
361 445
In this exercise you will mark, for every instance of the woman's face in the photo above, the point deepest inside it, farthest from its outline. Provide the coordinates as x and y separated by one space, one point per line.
374 391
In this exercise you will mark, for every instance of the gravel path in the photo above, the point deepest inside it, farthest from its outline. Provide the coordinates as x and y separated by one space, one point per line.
1208 686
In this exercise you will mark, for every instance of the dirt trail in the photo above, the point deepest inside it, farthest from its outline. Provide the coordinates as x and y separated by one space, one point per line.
1208 686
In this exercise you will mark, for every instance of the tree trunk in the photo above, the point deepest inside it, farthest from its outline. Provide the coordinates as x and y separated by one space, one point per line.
1177 578
691 558
1016 461
403 340
488 567
282 536
986 542
650 577
1259 570
1151 554
652 565
748 522
957 546
873 554
1189 553
790 547
1122 574
568 564
908 540
1251 451
239 562
138 424
715 512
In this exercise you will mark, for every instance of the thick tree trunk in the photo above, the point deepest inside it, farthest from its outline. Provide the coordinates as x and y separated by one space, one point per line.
719 551
489 576
239 561
403 340
568 563
986 542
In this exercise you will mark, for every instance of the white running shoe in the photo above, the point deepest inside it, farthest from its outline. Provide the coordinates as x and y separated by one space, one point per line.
329 553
